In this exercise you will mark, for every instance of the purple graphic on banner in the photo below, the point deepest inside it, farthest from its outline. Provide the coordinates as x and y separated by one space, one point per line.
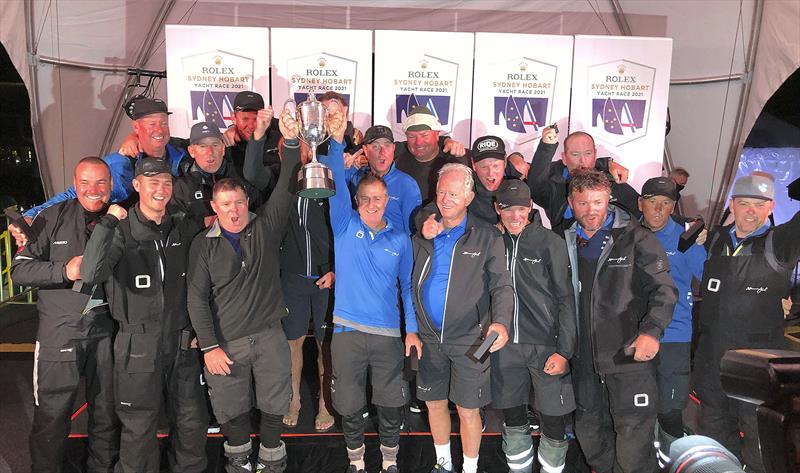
520 111
438 104
210 106
618 116
303 96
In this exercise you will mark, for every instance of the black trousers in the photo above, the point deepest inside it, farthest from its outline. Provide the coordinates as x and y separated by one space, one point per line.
56 377
615 419
175 381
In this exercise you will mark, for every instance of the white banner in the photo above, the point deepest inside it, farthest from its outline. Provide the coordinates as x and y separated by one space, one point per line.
207 66
319 60
522 85
620 89
424 68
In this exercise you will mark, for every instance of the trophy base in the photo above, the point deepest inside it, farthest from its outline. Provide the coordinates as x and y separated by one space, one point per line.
315 181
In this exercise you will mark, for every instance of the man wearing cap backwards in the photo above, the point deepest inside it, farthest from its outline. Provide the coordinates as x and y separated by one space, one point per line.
404 195
151 127
549 180
744 279
75 330
426 151
142 260
192 191
463 292
625 299
657 202
541 337
373 260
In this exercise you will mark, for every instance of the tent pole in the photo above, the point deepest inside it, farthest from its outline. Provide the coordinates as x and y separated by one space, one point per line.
141 59
33 89
737 143
619 16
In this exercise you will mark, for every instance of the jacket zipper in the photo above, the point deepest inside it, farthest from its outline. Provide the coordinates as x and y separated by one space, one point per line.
419 294
304 218
515 247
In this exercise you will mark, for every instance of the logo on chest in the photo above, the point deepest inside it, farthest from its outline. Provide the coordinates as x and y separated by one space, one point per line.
619 262
393 253
757 290
532 260
60 242
472 254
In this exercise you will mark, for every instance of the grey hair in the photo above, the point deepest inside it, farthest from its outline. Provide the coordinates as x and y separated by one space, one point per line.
469 182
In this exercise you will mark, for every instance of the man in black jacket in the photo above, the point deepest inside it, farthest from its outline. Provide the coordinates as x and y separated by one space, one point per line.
75 329
542 335
463 292
236 306
143 260
625 299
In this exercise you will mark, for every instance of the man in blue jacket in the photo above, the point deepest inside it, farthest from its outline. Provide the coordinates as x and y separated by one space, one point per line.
373 257
657 202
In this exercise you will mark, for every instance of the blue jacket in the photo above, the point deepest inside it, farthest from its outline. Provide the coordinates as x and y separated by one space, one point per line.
122 175
404 195
684 267
368 265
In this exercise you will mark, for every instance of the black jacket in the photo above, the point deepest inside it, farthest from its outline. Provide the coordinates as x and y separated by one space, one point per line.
232 297
633 292
544 310
426 174
479 292
60 234
143 266
549 189
191 191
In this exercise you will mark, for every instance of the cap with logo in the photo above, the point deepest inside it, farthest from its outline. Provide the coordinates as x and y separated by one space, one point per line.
377 132
660 186
488 147
248 100
512 192
755 186
143 106
150 167
421 119
203 130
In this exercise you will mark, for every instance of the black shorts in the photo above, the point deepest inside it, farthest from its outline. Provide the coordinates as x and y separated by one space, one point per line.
352 355
305 301
261 360
672 374
446 372
516 366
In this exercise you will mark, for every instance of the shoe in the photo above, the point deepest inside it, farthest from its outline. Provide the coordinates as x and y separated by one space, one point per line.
391 469
352 469
213 428
440 469
238 458
271 460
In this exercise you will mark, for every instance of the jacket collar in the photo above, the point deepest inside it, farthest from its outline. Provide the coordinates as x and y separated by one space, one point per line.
216 231
143 229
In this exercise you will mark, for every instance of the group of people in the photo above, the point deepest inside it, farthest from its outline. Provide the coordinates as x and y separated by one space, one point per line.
179 269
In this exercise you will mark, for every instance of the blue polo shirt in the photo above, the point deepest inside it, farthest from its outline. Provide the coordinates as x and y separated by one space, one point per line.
434 290
760 231
404 195
683 267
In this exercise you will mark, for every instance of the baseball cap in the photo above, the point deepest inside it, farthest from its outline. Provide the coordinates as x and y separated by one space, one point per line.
756 186
248 100
660 186
512 192
488 147
203 130
150 167
377 132
139 107
421 119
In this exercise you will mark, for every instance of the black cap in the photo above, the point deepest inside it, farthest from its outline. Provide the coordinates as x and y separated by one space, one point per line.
660 186
512 192
203 130
488 147
150 167
143 106
377 132
248 100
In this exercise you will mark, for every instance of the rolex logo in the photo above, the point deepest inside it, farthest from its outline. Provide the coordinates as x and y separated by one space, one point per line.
322 61
423 64
621 68
523 66
218 60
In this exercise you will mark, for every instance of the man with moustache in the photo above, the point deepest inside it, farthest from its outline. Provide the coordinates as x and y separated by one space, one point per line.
371 253
236 306
142 259
75 329
744 279
463 292
542 335
673 362
625 299
404 195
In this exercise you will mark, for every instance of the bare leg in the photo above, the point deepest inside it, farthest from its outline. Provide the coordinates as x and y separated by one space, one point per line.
471 429
296 349
439 420
324 420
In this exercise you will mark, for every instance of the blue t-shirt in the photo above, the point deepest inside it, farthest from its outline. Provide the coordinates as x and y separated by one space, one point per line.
434 291
234 239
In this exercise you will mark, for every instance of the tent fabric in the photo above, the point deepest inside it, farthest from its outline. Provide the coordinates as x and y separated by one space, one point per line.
76 105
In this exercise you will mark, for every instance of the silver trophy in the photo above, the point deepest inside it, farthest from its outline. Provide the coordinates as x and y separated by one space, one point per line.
314 180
